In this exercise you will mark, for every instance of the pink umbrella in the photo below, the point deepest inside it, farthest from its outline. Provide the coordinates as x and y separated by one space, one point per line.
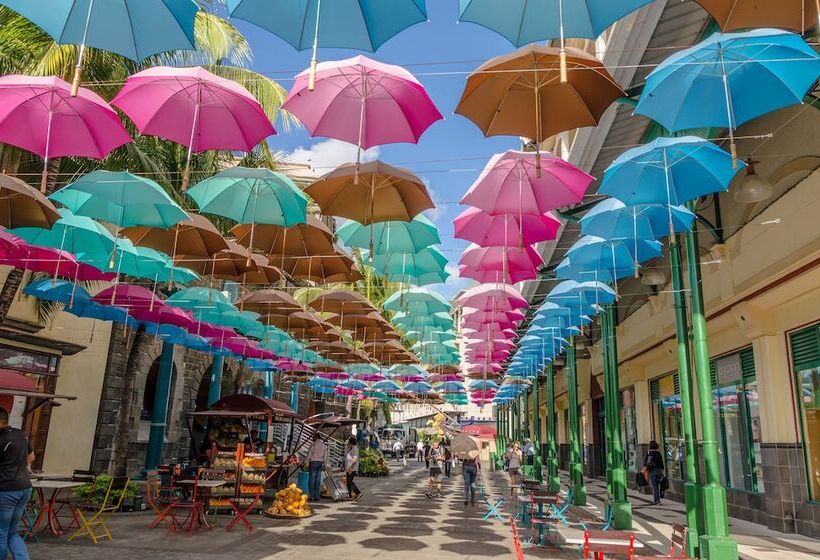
472 315
444 378
483 395
11 246
500 264
192 107
363 102
495 330
44 259
345 391
511 184
473 368
129 296
208 330
333 375
494 342
492 296
486 355
290 365
409 378
166 315
40 115
369 377
486 229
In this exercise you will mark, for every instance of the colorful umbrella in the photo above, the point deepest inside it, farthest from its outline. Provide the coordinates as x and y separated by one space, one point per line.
595 258
735 15
391 237
41 115
301 240
24 206
493 296
321 269
409 267
416 300
509 265
194 236
194 108
75 234
612 219
509 230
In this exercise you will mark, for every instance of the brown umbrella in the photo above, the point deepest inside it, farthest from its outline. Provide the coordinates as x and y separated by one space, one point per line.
24 206
356 321
321 269
310 238
268 301
194 237
374 334
733 15
229 264
341 302
521 94
292 320
264 274
376 192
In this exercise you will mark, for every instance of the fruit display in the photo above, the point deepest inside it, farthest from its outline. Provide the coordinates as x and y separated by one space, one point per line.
251 489
252 477
254 461
219 503
290 502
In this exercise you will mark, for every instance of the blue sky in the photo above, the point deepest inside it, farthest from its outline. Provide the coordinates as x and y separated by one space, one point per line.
452 152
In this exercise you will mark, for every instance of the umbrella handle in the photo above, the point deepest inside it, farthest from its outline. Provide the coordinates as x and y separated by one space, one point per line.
78 75
562 57
312 75
313 62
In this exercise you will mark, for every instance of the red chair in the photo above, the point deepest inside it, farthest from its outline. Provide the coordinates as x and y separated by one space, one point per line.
600 543
516 538
677 550
160 494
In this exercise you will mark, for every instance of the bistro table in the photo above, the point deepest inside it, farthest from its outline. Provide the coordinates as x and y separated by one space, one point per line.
48 514
199 512
602 540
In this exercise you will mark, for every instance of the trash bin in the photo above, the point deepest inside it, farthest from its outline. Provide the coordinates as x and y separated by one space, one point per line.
302 481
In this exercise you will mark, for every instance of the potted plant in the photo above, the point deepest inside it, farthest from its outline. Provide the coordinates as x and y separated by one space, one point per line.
93 494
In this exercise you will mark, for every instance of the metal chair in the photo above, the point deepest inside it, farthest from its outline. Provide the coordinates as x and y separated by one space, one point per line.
74 502
28 522
678 544
94 525
160 493
599 550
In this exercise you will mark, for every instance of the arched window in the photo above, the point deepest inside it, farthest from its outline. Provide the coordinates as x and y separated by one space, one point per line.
150 393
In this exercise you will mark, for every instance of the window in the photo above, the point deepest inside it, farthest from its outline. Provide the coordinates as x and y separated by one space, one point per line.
629 428
582 415
668 423
28 362
805 347
737 420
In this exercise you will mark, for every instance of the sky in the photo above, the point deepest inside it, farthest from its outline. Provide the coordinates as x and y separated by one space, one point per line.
451 154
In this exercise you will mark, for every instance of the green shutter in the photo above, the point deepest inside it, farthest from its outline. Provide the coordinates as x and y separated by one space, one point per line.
713 372
747 364
655 389
676 380
806 348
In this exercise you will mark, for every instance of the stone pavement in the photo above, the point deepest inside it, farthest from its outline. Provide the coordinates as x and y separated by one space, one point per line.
392 520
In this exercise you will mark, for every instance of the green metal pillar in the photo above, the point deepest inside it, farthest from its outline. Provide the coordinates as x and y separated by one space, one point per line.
553 482
715 542
536 432
525 432
576 467
603 322
622 509
692 486
517 419
215 387
159 415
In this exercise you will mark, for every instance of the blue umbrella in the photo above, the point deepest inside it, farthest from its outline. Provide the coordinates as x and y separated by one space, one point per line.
135 29
729 79
594 258
612 219
387 386
420 387
483 385
588 293
61 291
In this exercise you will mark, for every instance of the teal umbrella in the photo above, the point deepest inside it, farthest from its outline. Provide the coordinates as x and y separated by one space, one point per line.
411 266
417 300
423 279
430 335
75 234
391 237
440 319
198 299
355 369
122 199
434 348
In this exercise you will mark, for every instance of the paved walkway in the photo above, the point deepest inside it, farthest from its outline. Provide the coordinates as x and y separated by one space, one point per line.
393 520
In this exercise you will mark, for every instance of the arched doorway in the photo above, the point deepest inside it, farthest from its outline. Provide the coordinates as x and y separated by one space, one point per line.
149 396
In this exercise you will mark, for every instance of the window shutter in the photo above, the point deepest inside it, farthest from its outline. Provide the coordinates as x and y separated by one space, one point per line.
654 389
713 373
806 348
747 364
676 380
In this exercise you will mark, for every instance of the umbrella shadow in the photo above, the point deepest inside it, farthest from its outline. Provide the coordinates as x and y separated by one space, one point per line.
393 544
468 548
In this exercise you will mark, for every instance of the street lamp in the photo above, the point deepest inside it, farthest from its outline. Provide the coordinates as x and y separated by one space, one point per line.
753 187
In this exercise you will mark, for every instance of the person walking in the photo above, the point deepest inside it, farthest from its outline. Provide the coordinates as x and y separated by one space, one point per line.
398 450
436 461
427 455
529 452
420 451
448 460
469 472
15 487
317 454
352 468
653 470
514 458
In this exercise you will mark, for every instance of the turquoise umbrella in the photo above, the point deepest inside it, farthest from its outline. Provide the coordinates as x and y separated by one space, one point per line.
430 335
75 234
122 199
391 237
197 299
417 300
440 319
355 369
411 265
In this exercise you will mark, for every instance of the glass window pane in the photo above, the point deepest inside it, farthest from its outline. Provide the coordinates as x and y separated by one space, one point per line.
809 380
629 428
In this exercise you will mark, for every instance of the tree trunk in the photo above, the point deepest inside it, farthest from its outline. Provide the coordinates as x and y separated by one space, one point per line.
123 432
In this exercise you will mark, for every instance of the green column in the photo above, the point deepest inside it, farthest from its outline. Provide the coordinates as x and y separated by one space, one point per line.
525 432
692 489
576 467
622 509
553 482
603 321
215 387
517 419
159 415
536 433
715 542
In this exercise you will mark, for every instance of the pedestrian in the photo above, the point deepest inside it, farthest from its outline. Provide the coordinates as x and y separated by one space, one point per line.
436 461
529 452
398 450
253 443
653 470
514 458
15 487
427 455
469 472
208 448
419 452
352 468
448 460
317 454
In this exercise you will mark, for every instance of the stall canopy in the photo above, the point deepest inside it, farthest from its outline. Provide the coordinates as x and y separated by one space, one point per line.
15 384
248 405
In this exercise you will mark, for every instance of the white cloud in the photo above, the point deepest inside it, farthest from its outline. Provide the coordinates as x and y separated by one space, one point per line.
326 155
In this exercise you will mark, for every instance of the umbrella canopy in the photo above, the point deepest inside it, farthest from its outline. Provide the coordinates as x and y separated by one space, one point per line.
24 206
196 236
229 264
612 219
341 302
39 114
391 237
711 84
252 196
493 296
370 193
356 321
516 94
595 258
263 273
512 184
268 301
301 240
412 266
75 234
734 15
500 264
417 300
321 269
509 230
122 199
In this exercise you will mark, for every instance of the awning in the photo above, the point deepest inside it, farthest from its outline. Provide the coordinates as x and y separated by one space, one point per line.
247 406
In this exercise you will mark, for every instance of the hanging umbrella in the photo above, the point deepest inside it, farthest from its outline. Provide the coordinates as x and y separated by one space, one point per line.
729 79
612 219
301 240
537 21
516 94
122 199
490 296
434 335
735 15
391 237
75 234
363 102
419 278
24 206
196 236
54 262
473 315
509 230
356 321
500 264
229 264
595 258
375 192
263 272
41 116
321 269
341 302
417 300
135 29
267 301
511 184
194 108
585 293
410 266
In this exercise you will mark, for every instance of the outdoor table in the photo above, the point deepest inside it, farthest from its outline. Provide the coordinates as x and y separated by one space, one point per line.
539 500
201 517
47 513
598 538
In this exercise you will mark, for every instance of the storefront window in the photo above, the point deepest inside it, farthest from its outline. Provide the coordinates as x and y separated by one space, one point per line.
629 428
582 414
667 423
805 346
737 419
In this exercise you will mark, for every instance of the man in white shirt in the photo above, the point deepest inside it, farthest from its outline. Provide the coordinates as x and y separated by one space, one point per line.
316 463
420 451
352 468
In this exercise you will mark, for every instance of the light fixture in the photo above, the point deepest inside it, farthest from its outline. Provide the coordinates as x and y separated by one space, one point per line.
753 188
653 277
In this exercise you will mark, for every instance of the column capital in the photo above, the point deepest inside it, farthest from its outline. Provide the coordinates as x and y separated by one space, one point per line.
754 321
